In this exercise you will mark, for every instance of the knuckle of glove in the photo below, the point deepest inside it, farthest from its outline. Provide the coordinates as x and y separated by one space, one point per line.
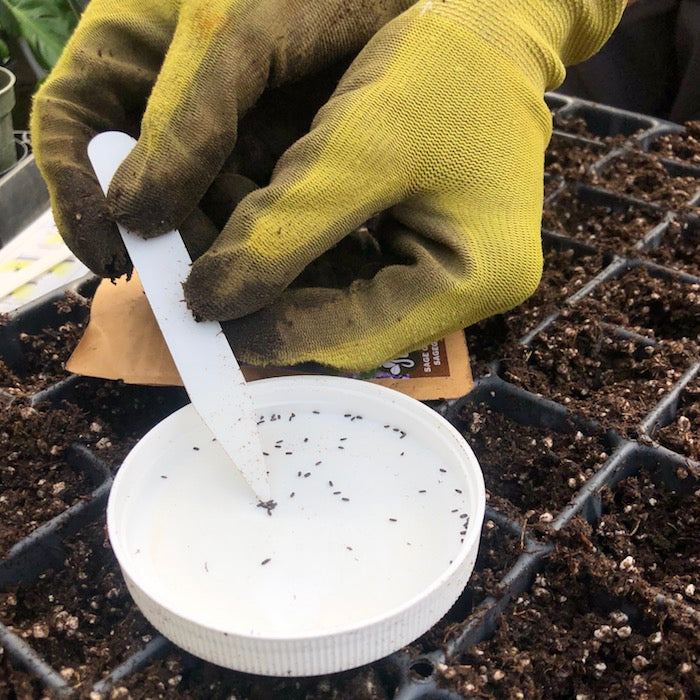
229 285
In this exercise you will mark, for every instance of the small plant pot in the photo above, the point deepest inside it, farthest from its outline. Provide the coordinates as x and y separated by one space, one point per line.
8 151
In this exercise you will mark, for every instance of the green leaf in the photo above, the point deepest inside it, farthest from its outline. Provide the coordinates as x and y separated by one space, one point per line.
7 21
4 52
45 24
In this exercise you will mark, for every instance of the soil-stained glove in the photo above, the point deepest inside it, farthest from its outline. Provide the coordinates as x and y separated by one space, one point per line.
440 122
179 75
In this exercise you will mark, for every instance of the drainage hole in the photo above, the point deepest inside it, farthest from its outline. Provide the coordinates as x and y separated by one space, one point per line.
422 668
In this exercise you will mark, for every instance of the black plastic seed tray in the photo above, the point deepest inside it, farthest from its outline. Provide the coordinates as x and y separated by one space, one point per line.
551 471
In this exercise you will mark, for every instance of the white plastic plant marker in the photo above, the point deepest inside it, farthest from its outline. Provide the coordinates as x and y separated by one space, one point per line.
202 355
371 535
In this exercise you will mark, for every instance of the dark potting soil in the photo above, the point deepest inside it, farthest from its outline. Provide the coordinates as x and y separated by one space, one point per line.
578 126
654 529
609 229
180 677
543 468
679 248
684 147
598 373
586 629
37 482
661 307
644 176
80 618
44 354
682 435
564 272
571 158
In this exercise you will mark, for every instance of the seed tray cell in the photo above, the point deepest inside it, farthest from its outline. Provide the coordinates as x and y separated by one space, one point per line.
676 143
540 591
644 298
643 176
551 454
607 375
597 122
675 423
604 221
572 157
675 244
569 266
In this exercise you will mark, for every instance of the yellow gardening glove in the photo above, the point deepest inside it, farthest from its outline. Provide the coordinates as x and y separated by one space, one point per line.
179 75
440 123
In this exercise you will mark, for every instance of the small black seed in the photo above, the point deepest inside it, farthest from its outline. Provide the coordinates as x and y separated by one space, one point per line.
458 490
337 493
289 453
265 561
306 439
422 491
349 549
196 449
340 447
291 495
267 454
343 438
277 442
454 510
307 475
444 471
392 520
292 416
330 483
162 476
316 412
269 506
344 499
317 463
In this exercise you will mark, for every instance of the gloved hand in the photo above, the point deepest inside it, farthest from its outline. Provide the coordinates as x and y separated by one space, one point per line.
179 75
440 122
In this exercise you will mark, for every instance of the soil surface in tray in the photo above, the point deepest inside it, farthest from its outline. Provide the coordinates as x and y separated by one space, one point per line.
685 147
654 529
661 307
44 354
682 435
79 618
586 629
564 273
614 229
597 373
528 471
571 158
644 176
679 247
